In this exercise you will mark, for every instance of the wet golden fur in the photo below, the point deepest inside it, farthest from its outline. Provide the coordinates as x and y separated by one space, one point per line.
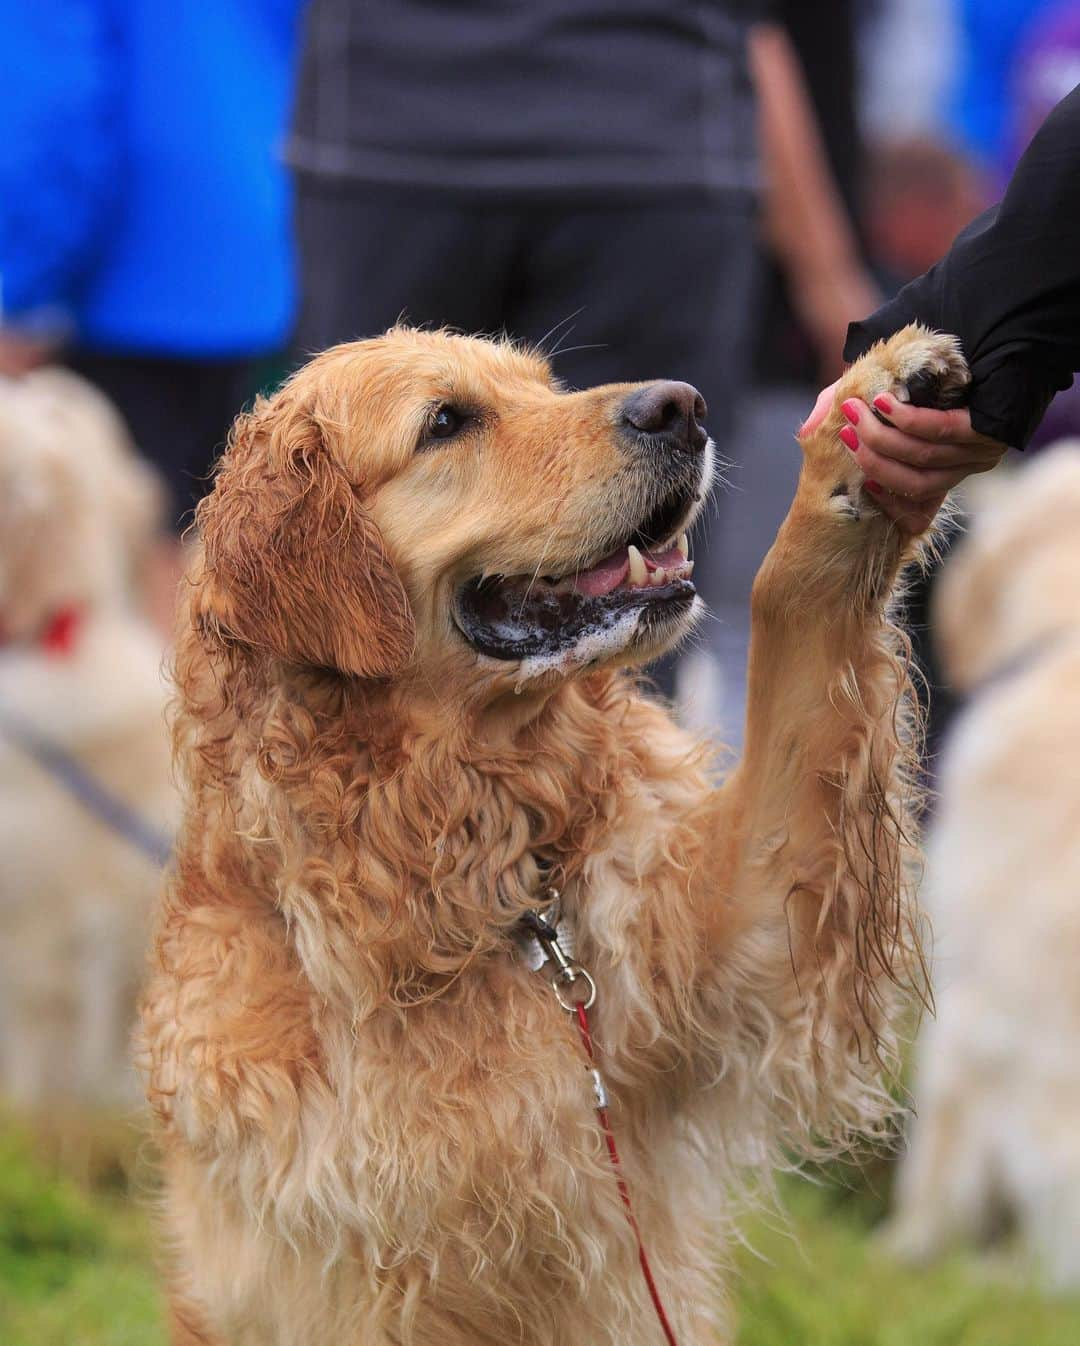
377 1123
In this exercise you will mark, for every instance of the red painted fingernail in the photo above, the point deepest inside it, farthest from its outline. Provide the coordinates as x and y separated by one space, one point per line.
851 411
883 403
872 487
849 437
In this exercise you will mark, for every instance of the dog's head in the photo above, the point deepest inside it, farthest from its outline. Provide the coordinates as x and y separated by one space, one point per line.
77 505
437 503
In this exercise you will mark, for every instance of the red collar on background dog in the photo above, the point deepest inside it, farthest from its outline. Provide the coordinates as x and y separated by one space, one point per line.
59 635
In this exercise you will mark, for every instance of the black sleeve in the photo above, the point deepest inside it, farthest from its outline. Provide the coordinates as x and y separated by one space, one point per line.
1009 288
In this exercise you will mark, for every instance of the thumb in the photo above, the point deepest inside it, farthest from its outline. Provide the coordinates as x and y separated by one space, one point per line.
820 411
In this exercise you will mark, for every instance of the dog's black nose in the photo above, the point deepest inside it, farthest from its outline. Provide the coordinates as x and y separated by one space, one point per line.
668 409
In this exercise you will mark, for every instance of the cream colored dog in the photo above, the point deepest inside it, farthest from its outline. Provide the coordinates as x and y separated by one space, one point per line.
998 1082
79 671
402 713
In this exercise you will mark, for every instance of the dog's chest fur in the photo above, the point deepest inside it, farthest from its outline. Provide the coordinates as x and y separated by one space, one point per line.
410 1124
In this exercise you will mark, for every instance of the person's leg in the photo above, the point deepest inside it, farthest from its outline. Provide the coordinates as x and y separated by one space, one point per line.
940 702
644 291
662 290
370 256
179 412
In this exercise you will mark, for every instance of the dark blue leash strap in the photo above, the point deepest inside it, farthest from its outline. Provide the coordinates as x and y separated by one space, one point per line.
95 797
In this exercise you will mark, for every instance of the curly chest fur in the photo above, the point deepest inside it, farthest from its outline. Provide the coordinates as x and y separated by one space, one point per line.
368 1044
450 1142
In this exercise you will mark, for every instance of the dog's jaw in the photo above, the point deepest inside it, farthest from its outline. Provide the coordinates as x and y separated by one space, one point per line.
636 637
626 607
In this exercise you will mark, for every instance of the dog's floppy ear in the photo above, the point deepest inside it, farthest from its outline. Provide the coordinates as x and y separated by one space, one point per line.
293 563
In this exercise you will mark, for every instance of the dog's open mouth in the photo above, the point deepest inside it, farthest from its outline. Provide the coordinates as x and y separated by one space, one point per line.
524 616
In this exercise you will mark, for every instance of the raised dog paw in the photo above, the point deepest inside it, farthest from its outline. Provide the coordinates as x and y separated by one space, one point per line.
915 365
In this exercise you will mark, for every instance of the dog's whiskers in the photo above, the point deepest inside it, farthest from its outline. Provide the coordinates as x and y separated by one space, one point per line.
539 565
539 346
586 346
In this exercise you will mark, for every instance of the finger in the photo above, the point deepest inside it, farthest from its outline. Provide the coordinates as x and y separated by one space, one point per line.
892 442
914 484
911 518
943 427
820 411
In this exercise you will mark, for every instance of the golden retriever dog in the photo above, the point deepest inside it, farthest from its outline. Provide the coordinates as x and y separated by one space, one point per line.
997 1086
405 712
82 698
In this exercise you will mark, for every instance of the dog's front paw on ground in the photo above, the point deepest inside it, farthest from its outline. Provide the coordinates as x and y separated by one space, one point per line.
915 365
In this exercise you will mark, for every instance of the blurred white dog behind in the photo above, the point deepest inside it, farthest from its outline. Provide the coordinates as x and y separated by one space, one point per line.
81 686
997 1084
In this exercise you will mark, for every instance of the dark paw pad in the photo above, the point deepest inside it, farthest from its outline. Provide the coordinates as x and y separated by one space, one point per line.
937 389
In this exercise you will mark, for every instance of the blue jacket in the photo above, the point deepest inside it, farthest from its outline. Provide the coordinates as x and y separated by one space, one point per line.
993 33
143 201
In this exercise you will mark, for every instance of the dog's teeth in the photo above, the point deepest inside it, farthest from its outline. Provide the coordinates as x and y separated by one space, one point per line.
638 574
683 545
688 570
659 576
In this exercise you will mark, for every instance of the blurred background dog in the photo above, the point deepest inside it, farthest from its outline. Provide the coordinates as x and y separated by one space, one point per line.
86 801
997 1086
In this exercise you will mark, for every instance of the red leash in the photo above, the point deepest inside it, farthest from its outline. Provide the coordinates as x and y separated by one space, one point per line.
568 972
624 1191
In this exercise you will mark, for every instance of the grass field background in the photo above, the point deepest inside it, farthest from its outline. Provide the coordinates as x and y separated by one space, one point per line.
77 1267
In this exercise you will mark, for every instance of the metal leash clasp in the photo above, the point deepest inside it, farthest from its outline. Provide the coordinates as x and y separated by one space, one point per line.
543 926
569 982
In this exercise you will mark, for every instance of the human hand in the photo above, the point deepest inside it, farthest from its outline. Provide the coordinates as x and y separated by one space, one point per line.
912 463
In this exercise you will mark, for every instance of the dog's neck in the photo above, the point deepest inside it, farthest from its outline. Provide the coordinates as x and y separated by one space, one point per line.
1018 660
407 844
57 635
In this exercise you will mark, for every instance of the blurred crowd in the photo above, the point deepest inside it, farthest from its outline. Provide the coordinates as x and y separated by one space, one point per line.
193 198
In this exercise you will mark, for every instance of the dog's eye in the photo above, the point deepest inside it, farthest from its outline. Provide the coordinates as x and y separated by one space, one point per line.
445 422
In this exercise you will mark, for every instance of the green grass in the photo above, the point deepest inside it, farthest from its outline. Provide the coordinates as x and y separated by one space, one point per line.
76 1262
825 1283
76 1269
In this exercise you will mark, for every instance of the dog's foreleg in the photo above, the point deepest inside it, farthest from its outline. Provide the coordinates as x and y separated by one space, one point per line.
820 805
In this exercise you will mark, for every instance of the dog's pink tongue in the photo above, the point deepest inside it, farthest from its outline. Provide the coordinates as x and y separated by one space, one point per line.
608 574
